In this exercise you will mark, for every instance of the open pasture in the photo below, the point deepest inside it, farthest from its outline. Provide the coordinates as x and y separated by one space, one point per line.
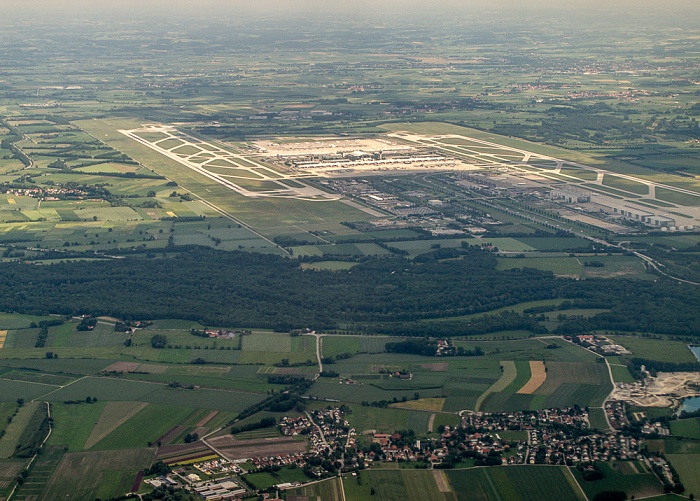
38 377
268 341
59 365
422 404
621 374
103 335
508 376
9 321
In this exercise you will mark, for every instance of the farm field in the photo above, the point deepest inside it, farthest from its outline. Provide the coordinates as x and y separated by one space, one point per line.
112 416
330 489
124 390
145 426
686 466
14 429
388 420
89 475
74 423
398 484
613 266
687 428
42 470
666 351
621 374
619 478
597 418
514 483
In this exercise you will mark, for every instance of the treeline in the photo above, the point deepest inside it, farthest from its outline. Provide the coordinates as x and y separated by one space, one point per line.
388 295
33 435
414 347
659 366
504 321
280 402
267 422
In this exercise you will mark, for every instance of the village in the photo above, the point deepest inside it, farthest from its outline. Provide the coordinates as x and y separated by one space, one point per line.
552 436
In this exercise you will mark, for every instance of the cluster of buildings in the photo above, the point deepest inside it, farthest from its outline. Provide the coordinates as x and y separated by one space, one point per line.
326 429
554 436
562 448
217 466
48 194
221 334
263 462
220 489
599 344
617 416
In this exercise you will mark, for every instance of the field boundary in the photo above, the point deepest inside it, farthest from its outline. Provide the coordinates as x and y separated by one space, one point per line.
510 372
96 435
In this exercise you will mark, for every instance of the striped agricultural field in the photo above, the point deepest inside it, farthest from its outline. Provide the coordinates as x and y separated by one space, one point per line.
509 374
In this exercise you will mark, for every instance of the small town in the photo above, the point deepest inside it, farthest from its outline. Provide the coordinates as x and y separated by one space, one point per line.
547 437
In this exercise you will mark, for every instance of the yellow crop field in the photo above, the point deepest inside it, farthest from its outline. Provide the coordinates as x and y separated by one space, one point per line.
538 377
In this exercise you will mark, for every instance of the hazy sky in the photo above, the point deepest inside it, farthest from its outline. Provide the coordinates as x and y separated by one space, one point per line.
133 7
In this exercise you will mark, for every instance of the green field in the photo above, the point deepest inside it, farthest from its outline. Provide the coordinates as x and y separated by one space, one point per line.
596 416
509 375
621 374
74 423
514 483
123 390
507 399
388 485
388 420
687 467
14 429
90 475
146 426
42 470
653 349
687 428
327 490
619 478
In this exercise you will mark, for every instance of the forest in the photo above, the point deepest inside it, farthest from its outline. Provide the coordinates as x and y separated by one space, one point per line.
389 295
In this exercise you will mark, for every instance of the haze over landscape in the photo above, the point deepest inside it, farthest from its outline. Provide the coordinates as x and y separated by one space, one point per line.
349 251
